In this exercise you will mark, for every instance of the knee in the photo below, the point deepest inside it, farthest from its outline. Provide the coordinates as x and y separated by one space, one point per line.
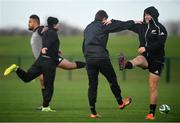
153 80
153 88
41 78
112 80
93 85
113 84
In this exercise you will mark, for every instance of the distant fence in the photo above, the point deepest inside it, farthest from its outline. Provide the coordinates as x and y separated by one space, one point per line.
5 59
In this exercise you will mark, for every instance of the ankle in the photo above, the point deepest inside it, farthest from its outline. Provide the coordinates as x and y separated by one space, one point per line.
128 65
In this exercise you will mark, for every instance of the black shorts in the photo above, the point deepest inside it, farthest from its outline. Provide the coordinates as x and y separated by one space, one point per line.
154 66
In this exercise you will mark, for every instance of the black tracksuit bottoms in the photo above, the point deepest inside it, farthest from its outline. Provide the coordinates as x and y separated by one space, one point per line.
45 66
104 66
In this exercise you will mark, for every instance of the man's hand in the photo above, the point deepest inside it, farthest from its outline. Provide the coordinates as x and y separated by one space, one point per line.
44 30
44 50
107 22
141 50
138 22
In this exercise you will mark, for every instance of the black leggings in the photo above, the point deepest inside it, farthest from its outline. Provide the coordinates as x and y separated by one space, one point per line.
43 66
104 66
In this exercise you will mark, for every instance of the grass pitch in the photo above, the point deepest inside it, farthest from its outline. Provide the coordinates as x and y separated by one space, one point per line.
18 100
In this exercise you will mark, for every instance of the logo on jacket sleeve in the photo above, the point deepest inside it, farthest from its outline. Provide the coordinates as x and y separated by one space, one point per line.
162 33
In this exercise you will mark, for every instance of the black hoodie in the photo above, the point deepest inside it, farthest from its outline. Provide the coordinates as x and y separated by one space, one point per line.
152 36
50 40
96 37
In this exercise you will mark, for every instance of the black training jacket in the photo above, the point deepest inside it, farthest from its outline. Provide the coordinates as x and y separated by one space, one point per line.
152 36
96 36
50 40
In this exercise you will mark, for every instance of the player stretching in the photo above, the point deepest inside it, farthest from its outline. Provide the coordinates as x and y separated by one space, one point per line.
36 44
45 64
97 58
152 37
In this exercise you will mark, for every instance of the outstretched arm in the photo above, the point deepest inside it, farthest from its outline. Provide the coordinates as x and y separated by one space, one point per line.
116 25
135 28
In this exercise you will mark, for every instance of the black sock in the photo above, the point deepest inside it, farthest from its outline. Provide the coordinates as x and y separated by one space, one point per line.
119 100
80 64
152 108
93 110
128 65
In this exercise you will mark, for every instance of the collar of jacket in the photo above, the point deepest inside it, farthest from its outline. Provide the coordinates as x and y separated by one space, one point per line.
36 28
52 28
97 21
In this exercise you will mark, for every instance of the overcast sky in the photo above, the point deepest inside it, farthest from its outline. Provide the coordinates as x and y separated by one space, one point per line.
15 13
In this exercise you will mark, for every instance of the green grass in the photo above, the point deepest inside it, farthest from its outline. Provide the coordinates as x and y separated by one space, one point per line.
19 100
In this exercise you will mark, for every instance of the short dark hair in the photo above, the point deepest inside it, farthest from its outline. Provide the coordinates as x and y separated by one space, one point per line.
52 21
100 15
35 17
